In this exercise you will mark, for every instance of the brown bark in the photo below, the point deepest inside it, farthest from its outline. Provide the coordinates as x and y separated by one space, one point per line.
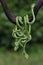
13 19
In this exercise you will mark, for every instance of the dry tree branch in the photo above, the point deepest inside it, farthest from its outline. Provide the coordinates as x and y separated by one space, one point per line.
13 19
7 12
36 9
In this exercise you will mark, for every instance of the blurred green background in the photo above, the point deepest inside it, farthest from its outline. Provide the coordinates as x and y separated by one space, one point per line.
35 46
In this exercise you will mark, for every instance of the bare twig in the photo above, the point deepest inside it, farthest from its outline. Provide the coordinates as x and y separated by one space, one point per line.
7 12
36 9
13 19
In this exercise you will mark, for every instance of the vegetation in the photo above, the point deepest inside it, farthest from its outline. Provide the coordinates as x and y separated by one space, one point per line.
35 46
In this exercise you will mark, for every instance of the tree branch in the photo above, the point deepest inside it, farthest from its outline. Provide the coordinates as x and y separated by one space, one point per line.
13 19
36 9
7 12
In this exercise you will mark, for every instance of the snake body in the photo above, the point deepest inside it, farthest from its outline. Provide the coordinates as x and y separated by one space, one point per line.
22 33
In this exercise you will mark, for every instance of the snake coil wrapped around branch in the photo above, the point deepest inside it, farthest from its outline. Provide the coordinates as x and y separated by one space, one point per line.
22 33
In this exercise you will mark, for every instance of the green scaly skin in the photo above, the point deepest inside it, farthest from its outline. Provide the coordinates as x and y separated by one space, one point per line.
22 33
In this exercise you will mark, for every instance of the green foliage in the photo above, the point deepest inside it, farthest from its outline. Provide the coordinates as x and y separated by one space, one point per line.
20 7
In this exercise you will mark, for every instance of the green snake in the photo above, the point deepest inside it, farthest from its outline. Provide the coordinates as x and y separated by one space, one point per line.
22 33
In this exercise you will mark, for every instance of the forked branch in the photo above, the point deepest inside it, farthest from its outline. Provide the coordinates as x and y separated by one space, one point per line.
12 18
